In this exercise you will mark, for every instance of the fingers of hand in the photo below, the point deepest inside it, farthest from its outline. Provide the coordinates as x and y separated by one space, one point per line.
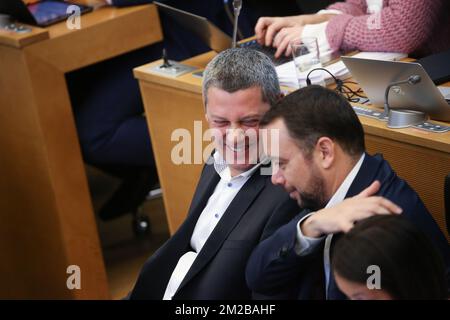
370 190
287 35
388 205
346 226
372 206
272 29
260 28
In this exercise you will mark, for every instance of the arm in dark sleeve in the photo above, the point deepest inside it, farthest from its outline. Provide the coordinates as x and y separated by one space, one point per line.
283 214
274 268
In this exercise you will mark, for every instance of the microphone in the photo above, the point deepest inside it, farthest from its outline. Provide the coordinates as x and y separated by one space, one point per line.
237 5
412 80
166 62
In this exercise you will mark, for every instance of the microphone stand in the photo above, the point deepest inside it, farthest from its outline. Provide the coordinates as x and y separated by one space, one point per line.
402 118
237 5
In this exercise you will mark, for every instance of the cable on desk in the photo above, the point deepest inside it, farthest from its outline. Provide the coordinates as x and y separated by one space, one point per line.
342 87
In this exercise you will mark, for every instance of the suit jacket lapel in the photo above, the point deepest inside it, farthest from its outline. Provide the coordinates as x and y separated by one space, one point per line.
206 185
231 217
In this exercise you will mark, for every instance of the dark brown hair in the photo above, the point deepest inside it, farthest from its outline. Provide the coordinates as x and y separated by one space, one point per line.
313 112
410 266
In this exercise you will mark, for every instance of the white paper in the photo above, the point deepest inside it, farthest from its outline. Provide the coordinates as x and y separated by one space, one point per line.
287 74
445 92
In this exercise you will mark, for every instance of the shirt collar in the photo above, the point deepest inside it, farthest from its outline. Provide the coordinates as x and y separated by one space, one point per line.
341 192
223 170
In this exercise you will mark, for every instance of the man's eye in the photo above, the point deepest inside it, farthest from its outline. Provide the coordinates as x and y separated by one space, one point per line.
220 123
250 123
276 163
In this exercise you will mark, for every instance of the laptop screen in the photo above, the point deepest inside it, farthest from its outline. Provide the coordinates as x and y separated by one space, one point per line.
48 11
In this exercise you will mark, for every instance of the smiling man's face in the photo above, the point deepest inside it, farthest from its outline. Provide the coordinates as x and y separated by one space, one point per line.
235 119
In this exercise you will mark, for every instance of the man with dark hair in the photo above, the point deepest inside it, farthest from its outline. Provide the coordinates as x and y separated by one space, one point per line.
321 162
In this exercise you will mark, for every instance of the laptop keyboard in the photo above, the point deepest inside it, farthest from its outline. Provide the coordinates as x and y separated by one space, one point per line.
268 51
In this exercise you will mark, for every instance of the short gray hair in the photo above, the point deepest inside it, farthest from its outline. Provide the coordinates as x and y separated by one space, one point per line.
237 69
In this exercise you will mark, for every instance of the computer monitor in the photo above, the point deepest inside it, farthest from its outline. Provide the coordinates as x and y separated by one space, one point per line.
375 75
211 35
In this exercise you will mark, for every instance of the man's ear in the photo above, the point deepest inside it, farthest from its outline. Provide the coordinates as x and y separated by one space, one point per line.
325 150
206 117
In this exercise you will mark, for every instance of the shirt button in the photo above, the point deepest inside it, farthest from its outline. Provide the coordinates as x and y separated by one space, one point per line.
216 215
229 184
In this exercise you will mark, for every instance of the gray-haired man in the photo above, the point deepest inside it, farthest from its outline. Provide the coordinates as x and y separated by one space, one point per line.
235 206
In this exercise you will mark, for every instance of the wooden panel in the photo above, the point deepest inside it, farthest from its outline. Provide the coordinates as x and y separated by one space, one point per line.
105 33
28 224
422 168
164 116
47 221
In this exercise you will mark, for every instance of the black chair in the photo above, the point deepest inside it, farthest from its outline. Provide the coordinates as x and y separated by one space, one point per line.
447 201
136 184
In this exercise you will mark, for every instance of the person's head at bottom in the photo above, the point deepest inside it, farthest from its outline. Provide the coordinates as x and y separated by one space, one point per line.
387 257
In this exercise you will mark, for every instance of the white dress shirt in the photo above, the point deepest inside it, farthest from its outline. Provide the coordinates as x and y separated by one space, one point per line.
306 245
318 30
224 193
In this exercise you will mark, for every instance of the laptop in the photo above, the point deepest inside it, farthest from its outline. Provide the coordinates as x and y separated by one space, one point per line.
211 35
375 75
41 13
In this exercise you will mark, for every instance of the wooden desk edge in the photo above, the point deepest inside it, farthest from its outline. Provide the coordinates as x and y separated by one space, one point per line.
187 82
20 40
37 34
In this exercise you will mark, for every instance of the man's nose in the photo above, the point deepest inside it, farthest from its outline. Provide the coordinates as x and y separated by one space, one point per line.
278 178
235 135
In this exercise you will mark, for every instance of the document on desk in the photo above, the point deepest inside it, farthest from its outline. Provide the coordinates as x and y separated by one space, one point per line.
287 74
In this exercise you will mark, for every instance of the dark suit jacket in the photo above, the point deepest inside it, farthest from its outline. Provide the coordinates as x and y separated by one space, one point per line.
218 272
276 271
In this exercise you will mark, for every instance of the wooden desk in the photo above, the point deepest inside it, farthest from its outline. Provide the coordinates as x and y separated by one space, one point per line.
46 216
421 158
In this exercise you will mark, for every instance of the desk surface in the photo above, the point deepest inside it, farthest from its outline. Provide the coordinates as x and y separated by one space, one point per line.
99 16
102 35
